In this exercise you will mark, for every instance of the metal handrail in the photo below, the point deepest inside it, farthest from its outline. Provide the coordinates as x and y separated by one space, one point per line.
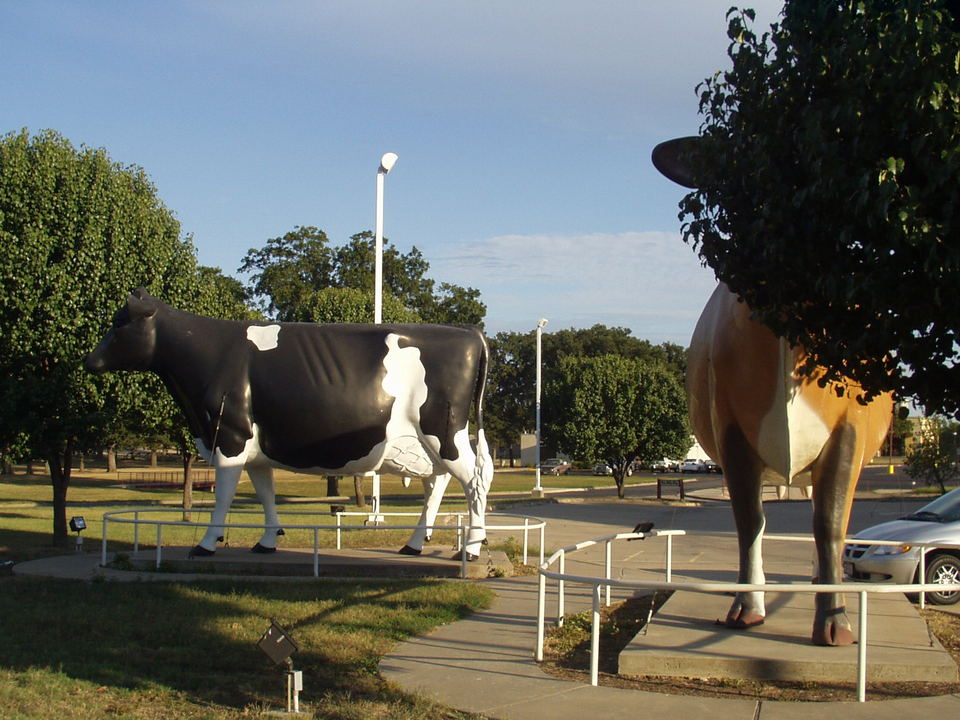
529 524
559 557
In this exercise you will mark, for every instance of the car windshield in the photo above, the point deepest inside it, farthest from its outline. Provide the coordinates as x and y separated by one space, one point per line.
945 508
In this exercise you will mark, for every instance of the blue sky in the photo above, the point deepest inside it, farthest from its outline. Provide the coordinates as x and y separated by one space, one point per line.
523 128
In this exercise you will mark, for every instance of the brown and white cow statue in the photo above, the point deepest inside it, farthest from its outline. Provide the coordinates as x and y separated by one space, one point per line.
766 423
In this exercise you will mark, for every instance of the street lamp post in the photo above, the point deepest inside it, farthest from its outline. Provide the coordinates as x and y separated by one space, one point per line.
386 165
387 161
537 488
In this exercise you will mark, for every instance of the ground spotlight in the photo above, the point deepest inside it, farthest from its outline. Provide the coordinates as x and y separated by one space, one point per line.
278 645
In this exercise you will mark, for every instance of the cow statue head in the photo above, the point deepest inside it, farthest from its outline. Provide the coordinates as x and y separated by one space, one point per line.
131 341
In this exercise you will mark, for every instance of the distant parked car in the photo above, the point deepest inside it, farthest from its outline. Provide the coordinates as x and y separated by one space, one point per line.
604 469
712 467
935 522
555 466
666 465
692 465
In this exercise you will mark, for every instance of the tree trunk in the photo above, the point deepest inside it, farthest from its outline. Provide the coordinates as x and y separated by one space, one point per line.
7 467
358 491
619 477
112 459
60 479
82 463
188 459
333 485
30 469
153 458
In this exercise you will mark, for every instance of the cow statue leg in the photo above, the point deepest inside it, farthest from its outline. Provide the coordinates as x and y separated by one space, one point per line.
742 469
227 479
433 489
474 471
835 475
262 478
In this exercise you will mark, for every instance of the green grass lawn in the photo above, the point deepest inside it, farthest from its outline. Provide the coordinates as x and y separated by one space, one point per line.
26 513
171 650
84 651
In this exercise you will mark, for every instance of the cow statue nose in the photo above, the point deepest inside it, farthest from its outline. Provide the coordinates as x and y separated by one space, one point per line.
93 364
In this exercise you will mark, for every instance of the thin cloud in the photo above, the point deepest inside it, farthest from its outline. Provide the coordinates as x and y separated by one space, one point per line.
649 282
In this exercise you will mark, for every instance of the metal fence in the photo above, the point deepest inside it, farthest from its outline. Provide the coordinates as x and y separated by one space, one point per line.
558 558
526 525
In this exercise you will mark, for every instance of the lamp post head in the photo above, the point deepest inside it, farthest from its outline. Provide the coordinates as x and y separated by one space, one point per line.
542 322
387 162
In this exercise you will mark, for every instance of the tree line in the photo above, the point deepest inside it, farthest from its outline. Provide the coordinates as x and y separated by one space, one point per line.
79 232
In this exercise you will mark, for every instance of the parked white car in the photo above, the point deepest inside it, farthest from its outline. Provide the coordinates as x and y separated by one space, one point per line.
935 522
692 465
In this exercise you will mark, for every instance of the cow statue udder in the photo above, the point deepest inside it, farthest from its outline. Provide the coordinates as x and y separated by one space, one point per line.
765 422
331 399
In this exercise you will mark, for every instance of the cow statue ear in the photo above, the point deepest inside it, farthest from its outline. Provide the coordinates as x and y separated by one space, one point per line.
140 304
671 159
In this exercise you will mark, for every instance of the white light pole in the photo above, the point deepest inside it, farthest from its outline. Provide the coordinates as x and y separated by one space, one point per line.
386 165
538 489
387 161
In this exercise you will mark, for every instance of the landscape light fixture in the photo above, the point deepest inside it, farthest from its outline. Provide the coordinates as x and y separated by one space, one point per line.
279 646
77 525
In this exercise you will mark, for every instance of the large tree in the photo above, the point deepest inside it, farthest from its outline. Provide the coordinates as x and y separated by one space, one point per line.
511 385
828 174
78 231
612 409
296 276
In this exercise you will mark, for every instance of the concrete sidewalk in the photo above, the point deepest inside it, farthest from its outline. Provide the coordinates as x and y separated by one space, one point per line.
484 664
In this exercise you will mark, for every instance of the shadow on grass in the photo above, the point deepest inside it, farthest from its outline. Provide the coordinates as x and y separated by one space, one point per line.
200 638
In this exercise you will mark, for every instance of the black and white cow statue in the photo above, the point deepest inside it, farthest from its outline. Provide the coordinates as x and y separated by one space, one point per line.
331 399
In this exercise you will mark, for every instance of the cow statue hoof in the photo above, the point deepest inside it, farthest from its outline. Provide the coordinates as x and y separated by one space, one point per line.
407 550
260 549
741 618
833 630
470 556
200 551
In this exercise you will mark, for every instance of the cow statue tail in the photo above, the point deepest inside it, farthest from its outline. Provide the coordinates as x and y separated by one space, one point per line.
482 478
484 469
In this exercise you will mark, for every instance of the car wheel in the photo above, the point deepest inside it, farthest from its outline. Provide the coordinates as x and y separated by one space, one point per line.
943 569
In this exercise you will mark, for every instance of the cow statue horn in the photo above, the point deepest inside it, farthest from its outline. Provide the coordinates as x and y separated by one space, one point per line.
670 158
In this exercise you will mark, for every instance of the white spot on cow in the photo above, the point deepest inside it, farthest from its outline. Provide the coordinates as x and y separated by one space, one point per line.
265 337
792 434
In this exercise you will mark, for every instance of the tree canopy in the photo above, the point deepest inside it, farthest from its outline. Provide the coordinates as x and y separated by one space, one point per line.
301 276
828 174
611 409
510 400
77 232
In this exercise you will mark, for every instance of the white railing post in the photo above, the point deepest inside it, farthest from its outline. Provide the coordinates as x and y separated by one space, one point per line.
541 615
136 531
922 576
669 558
608 567
862 650
339 531
560 588
103 543
463 552
542 536
460 539
316 552
526 535
159 543
595 638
